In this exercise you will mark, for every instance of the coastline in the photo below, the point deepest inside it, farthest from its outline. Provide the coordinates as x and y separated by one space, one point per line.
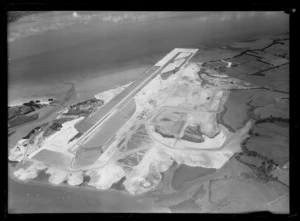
20 101
62 185
29 197
105 82
87 84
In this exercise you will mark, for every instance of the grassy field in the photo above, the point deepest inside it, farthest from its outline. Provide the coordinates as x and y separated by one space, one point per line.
186 174
236 108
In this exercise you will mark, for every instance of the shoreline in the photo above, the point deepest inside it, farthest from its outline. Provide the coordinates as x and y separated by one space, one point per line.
47 184
118 85
85 186
21 101
87 85
101 200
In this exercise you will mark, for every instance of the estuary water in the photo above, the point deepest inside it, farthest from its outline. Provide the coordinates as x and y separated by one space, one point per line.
107 54
38 197
41 62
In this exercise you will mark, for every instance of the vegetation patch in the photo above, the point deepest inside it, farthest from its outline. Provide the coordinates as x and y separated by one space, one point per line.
236 108
271 141
84 108
186 174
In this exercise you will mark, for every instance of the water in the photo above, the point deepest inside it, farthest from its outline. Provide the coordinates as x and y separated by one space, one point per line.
80 51
39 63
44 198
